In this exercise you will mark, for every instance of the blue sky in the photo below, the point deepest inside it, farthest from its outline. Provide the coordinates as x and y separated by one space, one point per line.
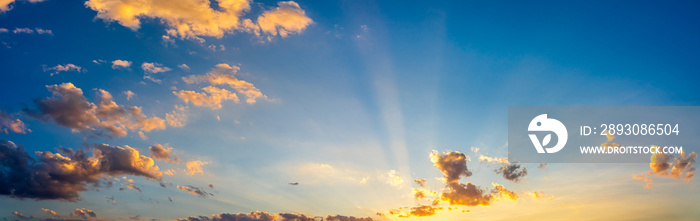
352 91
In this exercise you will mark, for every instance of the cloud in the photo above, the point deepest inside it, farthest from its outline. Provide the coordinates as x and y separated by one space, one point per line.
121 64
224 74
452 164
284 20
420 193
184 67
417 211
129 95
63 175
542 165
50 212
195 167
159 152
264 216
83 213
346 218
193 19
503 193
421 182
70 108
149 69
538 195
9 123
211 99
664 165
513 172
5 5
67 67
394 179
20 215
483 158
197 191
177 117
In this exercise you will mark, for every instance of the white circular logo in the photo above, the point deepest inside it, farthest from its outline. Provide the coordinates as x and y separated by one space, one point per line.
542 123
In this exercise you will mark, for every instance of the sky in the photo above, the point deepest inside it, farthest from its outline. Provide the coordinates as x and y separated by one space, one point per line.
340 110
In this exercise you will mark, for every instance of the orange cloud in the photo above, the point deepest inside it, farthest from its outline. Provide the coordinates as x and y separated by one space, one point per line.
5 5
8 123
212 98
195 167
50 212
224 74
194 19
483 158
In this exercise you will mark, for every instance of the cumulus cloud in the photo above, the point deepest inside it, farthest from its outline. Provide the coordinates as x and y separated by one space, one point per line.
394 179
195 167
513 172
284 20
121 64
213 97
194 19
184 67
63 175
149 69
197 191
70 108
66 67
452 164
538 195
417 211
9 123
421 182
224 74
6 5
504 193
664 165
129 95
50 212
159 152
177 117
488 159
83 213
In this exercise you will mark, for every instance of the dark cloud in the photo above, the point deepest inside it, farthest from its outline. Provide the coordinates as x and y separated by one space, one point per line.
452 164
159 152
197 191
70 108
296 217
63 175
294 184
347 218
263 216
513 172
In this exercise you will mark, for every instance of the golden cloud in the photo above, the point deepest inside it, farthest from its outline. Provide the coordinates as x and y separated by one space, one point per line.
194 19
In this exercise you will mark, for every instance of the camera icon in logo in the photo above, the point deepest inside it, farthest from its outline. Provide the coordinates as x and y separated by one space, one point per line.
543 124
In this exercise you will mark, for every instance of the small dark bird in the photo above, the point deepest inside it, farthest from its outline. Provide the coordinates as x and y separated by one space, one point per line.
294 184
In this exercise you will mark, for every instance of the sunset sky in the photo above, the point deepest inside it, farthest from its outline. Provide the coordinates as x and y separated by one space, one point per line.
346 110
